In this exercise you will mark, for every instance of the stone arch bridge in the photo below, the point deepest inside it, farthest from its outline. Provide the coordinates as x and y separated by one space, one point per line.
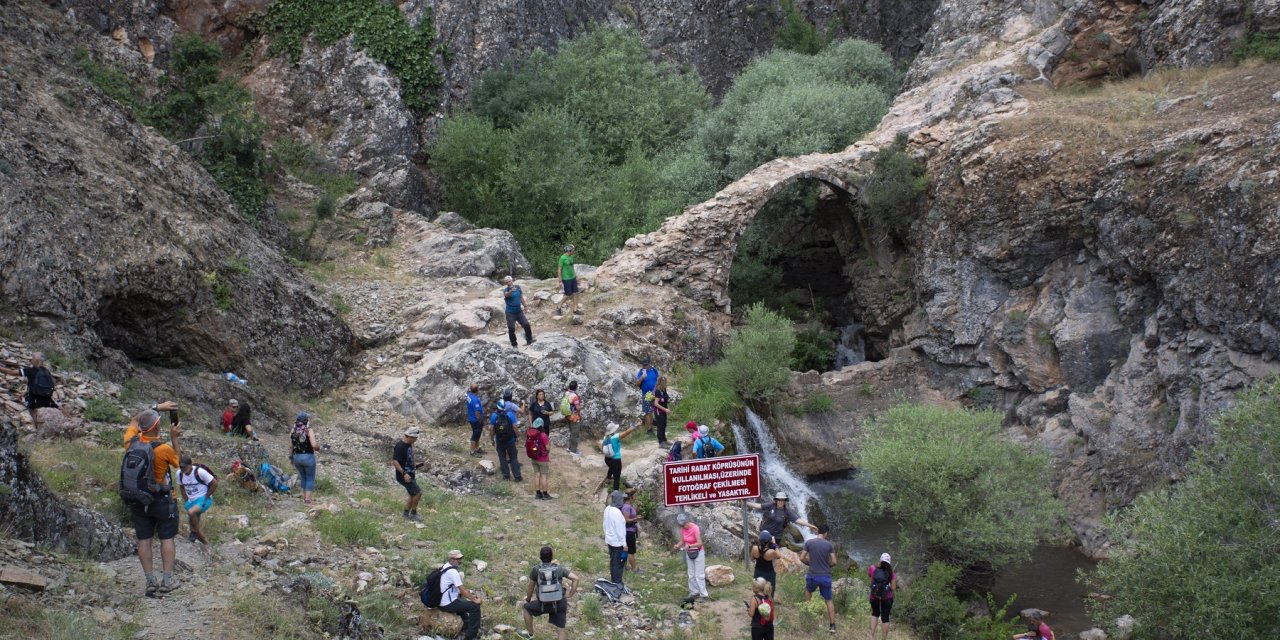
693 252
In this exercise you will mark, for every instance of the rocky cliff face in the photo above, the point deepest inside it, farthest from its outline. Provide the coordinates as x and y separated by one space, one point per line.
32 513
122 242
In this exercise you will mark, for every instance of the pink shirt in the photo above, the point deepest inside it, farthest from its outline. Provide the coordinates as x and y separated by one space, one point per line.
690 535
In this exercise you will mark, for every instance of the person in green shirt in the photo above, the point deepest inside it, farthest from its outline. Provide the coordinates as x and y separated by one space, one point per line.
568 280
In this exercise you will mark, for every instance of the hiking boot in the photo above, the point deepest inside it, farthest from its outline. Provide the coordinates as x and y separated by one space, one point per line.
687 603
191 538
546 496
152 585
476 454
524 635
413 517
832 629
519 479
531 341
169 584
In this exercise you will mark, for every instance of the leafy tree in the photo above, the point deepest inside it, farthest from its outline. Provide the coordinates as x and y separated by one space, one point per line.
962 492
1209 544
797 33
893 191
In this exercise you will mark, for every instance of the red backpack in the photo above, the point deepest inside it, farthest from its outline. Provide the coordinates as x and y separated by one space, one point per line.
533 444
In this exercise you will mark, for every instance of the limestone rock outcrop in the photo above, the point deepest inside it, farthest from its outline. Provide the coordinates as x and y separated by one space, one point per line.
121 241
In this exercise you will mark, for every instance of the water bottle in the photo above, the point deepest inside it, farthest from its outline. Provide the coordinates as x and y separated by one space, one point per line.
233 378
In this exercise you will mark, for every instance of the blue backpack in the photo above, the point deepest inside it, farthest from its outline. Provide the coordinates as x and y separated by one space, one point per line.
676 454
273 478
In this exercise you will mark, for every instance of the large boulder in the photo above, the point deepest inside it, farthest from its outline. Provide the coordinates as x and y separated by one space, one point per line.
452 247
435 389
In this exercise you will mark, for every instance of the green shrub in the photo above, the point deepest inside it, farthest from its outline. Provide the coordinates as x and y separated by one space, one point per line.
961 491
351 527
102 410
708 394
111 81
815 349
1214 533
759 355
380 30
797 33
1257 44
325 206
892 192
309 165
930 606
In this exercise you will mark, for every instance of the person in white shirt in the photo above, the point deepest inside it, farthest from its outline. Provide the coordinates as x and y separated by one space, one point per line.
197 485
457 599
615 535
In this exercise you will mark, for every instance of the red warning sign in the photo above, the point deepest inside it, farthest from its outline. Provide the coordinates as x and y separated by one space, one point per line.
712 480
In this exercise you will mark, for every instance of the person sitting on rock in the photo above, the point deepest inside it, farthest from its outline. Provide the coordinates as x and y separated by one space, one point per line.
197 485
229 414
546 594
40 386
241 424
515 309
778 516
457 599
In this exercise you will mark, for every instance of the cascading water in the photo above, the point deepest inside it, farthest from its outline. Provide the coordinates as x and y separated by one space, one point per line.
851 348
776 474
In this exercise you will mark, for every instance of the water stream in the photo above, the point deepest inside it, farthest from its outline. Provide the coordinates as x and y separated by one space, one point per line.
1047 581
851 348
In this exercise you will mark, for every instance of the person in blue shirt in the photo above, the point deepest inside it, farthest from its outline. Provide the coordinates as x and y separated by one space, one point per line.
705 446
514 297
647 380
475 417
504 421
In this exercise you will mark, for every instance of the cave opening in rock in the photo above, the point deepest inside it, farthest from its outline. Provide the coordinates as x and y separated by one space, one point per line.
797 257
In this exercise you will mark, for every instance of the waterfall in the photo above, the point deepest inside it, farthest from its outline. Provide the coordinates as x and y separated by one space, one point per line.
775 473
851 348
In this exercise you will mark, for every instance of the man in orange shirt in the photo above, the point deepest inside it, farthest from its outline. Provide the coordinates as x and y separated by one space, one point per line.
161 516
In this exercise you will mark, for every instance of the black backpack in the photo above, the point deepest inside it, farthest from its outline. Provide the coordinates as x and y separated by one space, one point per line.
137 481
503 429
676 454
41 382
708 447
431 590
880 583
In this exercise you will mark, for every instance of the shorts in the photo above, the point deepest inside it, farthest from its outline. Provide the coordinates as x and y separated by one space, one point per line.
204 502
631 542
646 407
411 486
557 612
160 518
542 466
570 286
820 583
880 609
476 429
41 402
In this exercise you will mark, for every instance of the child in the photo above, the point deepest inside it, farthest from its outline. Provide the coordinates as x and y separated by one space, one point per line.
762 609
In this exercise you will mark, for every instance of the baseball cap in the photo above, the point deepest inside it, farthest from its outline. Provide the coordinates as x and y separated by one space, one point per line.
781 495
690 426
413 432
704 430
611 429
233 402
884 557
455 555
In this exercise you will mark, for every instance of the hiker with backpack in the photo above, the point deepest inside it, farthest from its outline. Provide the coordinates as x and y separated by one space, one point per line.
679 450
884 583
571 409
706 446
303 445
647 380
197 484
504 421
538 447
611 445
475 417
144 487
690 541
444 591
515 309
229 414
406 471
820 556
763 610
546 594
40 387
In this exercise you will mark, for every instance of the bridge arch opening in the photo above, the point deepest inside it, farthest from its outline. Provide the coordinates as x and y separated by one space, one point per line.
801 255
